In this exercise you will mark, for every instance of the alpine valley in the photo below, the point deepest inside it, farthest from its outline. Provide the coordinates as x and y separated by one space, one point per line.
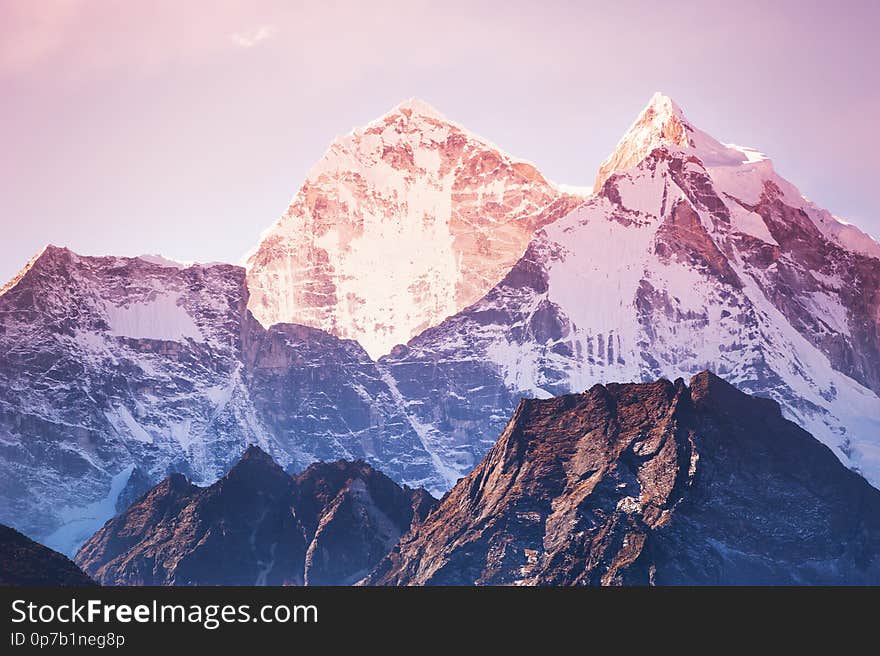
421 283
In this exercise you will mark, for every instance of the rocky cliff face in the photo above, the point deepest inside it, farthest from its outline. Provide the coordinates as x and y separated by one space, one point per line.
692 255
352 516
108 364
401 224
256 526
25 562
654 483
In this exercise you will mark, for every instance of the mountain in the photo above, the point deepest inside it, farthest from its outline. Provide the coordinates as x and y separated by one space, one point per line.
399 225
691 255
107 365
115 372
25 562
652 483
256 526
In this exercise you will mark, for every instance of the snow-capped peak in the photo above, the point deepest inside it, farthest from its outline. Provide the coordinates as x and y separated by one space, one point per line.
413 124
740 172
401 223
663 123
664 120
420 108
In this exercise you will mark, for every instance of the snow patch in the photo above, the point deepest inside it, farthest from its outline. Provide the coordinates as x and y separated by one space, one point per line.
79 524
120 416
163 318
748 222
750 154
163 261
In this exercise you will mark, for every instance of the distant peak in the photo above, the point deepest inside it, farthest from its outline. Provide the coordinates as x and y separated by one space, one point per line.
409 119
52 251
49 253
418 107
662 105
662 123
253 452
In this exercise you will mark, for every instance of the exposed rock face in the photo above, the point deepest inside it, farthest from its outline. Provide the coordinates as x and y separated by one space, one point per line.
322 398
401 224
25 562
653 483
353 516
256 526
698 256
115 372
239 531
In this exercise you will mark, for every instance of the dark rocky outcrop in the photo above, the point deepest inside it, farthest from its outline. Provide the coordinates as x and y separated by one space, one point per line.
654 483
256 526
353 515
25 562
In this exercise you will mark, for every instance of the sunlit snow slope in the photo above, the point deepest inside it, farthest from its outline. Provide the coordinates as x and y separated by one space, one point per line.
401 224
692 255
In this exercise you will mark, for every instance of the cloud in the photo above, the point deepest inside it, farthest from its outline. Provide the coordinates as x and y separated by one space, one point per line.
82 39
254 37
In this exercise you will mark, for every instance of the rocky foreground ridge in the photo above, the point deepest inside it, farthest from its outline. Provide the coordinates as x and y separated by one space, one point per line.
257 526
655 483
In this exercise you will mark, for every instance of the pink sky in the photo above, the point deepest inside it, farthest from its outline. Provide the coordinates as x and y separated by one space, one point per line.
185 128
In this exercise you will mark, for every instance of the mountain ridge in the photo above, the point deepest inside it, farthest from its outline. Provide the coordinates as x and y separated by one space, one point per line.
115 372
256 526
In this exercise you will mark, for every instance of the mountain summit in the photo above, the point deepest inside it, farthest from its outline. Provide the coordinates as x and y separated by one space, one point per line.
399 225
739 171
663 123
